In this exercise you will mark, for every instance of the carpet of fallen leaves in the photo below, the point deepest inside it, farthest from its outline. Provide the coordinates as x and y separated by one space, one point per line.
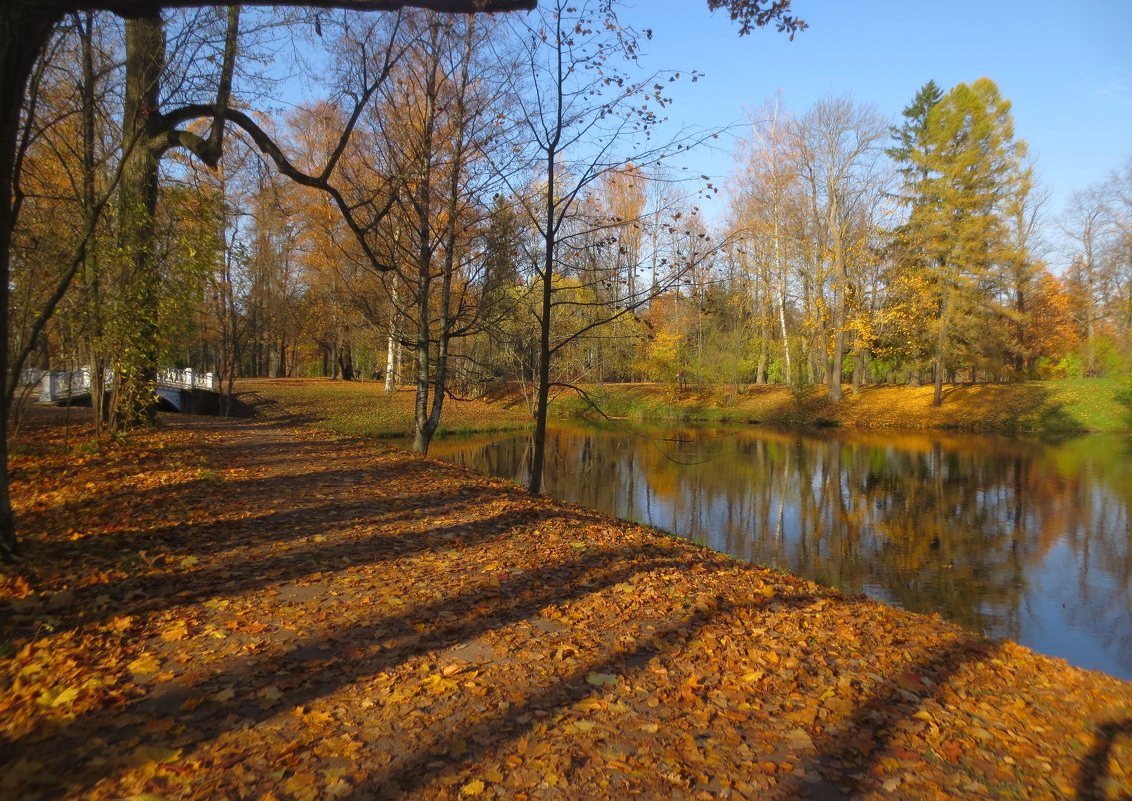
243 610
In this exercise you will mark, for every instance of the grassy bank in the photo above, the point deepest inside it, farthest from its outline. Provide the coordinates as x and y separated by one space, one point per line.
1042 406
364 409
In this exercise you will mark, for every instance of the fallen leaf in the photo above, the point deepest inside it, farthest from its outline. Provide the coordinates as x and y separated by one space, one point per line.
472 788
601 679
144 665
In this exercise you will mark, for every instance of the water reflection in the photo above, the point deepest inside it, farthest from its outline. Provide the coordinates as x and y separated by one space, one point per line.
1017 538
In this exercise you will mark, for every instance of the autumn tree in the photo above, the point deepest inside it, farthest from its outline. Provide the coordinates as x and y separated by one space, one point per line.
585 115
435 130
1097 225
1023 269
25 28
762 197
958 181
837 146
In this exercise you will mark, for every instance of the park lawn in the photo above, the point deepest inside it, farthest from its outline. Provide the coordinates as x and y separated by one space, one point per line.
246 609
364 409
1077 405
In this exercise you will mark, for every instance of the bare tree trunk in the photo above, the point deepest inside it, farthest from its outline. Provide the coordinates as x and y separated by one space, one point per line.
543 400
420 443
780 277
860 369
391 360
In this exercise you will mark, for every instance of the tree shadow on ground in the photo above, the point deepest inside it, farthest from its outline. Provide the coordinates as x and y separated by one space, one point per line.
303 668
421 768
1016 406
1094 768
150 592
861 741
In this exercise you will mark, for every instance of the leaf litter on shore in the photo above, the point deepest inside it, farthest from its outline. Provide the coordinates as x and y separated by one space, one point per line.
240 610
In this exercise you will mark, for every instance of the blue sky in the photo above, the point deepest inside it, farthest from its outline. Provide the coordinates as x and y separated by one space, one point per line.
1065 66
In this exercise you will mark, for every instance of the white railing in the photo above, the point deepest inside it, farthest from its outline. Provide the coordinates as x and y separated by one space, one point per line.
56 386
186 378
30 376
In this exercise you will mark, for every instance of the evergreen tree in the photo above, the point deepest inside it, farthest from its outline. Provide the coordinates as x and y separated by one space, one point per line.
960 177
910 136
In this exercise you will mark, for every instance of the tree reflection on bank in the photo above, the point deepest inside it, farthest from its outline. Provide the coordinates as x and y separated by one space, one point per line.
1017 538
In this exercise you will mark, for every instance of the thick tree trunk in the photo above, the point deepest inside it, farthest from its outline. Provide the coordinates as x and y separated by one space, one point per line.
937 377
135 369
836 363
24 28
346 359
860 369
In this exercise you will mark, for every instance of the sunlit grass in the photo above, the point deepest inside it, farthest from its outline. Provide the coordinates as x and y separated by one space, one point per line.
1070 405
364 409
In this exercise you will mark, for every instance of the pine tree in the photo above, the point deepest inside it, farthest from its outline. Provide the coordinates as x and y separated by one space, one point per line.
961 172
910 136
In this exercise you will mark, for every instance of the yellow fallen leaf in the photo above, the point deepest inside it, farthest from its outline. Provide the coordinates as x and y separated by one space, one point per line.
144 665
474 787
601 679
175 633
152 755
66 697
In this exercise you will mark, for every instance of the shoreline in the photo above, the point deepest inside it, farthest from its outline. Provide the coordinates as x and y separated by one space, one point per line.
242 593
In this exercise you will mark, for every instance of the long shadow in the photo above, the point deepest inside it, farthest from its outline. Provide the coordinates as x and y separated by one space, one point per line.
1094 767
215 491
302 668
875 721
109 546
159 591
113 545
420 768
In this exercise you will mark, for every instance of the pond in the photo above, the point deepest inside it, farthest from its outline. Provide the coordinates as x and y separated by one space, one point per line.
1017 538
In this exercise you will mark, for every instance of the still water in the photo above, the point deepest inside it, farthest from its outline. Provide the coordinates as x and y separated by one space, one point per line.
1016 538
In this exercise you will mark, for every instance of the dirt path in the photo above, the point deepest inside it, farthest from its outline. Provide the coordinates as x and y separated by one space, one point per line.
234 610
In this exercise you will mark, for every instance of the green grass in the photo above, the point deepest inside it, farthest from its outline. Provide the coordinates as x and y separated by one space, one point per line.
1098 404
363 409
645 402
1094 404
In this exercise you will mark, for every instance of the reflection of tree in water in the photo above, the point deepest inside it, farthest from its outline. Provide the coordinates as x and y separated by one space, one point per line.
983 530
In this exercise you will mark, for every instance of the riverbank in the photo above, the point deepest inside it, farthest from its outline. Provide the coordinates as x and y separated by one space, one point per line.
248 609
1082 405
363 409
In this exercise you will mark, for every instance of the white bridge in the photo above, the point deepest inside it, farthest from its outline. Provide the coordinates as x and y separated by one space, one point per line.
174 386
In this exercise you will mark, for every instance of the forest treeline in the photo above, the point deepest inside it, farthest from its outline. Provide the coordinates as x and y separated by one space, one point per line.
464 202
